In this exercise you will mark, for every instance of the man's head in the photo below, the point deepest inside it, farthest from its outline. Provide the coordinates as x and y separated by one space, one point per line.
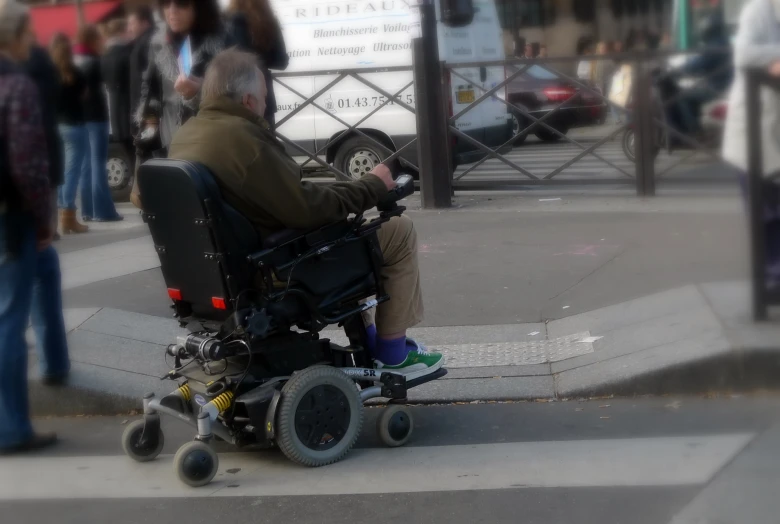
139 21
234 74
16 36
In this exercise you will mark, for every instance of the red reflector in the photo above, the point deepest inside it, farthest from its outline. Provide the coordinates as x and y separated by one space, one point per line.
218 303
175 294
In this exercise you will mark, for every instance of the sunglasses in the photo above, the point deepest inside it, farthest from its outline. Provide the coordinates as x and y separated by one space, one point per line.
178 3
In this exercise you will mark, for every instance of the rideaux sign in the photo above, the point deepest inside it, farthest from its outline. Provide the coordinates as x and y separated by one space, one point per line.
351 34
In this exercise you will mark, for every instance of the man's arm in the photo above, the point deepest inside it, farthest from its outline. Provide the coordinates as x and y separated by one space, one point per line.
273 183
27 151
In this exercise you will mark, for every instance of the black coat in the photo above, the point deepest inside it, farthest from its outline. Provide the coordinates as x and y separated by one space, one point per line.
115 66
95 100
139 61
158 97
41 69
275 57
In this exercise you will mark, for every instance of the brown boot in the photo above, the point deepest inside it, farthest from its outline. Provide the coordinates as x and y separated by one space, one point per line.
69 224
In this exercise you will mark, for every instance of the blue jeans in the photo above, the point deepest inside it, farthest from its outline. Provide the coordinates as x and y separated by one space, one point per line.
30 280
96 201
76 144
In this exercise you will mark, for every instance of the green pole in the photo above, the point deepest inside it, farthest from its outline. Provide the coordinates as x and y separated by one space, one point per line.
683 16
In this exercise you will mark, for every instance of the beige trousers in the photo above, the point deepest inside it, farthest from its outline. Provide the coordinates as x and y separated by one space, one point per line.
401 278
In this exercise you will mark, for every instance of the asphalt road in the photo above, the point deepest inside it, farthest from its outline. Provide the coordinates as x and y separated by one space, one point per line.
640 461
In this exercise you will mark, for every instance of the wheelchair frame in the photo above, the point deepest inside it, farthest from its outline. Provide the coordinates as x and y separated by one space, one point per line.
290 372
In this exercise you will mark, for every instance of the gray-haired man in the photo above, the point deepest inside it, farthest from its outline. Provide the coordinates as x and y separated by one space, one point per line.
257 177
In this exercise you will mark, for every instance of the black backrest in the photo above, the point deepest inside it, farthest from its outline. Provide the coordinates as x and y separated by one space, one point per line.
202 241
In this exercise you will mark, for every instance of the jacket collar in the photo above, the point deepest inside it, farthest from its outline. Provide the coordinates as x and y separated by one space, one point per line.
226 106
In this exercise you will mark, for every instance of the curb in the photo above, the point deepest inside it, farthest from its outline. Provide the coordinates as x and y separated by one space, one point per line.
742 371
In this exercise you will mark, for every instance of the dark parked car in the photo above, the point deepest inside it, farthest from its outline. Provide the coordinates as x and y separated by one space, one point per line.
539 91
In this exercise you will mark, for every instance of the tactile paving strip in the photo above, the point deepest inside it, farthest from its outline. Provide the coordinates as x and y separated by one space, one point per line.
517 353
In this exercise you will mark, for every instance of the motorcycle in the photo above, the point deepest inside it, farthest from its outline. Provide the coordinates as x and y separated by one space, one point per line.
666 87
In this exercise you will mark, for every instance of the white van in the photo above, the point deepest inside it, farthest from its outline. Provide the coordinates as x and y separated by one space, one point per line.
350 34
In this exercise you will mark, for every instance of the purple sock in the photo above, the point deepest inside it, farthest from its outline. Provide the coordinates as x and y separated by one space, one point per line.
391 352
371 339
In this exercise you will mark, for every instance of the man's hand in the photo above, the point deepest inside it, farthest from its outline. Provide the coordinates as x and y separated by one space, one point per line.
385 175
774 69
187 87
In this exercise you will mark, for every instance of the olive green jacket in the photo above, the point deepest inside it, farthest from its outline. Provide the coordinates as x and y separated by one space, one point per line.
258 178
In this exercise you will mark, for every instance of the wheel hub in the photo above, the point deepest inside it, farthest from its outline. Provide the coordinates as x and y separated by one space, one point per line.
399 426
197 465
118 171
361 162
322 417
144 444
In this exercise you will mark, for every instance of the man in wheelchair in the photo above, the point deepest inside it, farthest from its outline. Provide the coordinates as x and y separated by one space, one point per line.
261 181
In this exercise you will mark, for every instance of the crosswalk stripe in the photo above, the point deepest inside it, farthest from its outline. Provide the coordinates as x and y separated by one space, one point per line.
666 461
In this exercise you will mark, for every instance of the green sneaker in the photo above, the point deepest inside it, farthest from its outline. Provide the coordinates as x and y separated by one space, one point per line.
418 363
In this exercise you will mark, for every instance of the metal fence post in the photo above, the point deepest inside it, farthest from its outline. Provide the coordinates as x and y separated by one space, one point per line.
432 126
755 180
644 132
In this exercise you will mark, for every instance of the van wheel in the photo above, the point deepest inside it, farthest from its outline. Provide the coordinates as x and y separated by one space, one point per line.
518 124
358 156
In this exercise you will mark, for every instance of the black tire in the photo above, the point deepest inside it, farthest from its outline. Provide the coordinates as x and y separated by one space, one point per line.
629 143
131 437
518 124
317 403
395 426
357 156
546 135
196 463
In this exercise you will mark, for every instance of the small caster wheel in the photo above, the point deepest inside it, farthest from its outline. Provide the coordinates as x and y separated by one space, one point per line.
134 445
395 426
196 463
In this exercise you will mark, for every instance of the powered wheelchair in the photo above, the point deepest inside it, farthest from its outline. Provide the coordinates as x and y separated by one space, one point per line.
252 369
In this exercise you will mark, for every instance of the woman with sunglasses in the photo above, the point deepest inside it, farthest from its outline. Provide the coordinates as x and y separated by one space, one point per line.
256 29
179 54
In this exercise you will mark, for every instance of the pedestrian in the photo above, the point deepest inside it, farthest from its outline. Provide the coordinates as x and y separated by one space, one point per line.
584 66
179 53
72 130
47 318
25 222
603 70
96 201
757 45
140 28
256 29
529 51
40 68
115 66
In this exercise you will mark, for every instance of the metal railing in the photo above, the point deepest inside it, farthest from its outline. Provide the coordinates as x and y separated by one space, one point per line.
644 116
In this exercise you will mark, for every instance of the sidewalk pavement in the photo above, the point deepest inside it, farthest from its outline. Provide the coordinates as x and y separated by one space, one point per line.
533 295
